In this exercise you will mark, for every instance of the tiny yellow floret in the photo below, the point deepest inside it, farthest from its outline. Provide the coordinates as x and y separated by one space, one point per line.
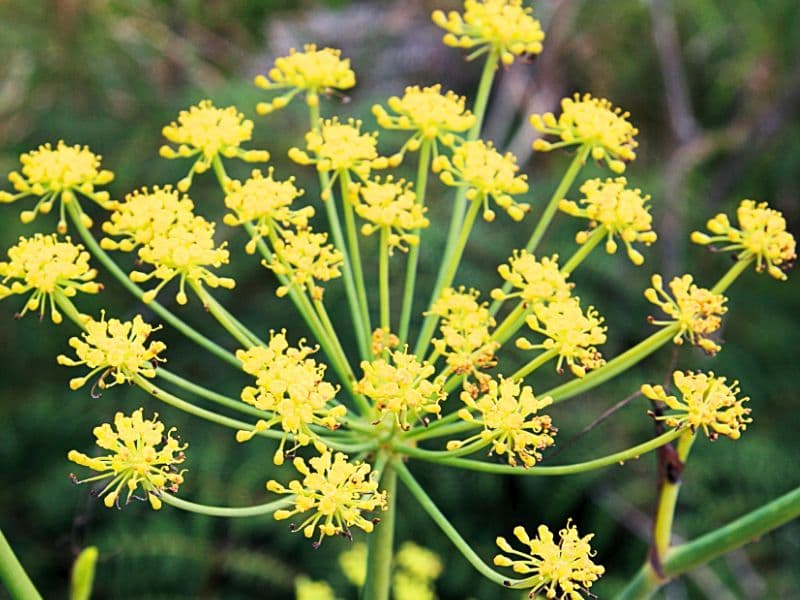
305 258
535 281
390 206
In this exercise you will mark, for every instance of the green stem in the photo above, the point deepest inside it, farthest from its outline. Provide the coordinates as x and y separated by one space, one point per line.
510 324
122 277
733 273
381 543
355 253
582 467
13 574
227 511
549 212
238 331
535 363
682 559
383 279
449 425
413 254
447 528
584 250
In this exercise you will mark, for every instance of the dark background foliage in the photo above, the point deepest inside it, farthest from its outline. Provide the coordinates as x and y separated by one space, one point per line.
714 88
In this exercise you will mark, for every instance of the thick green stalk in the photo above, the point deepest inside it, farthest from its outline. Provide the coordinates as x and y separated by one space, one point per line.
227 511
535 363
682 559
238 331
13 574
733 273
632 453
355 254
511 324
380 543
413 254
584 250
383 279
122 277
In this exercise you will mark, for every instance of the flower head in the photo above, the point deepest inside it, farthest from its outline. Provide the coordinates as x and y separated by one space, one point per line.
466 341
562 570
697 310
390 206
208 133
337 491
141 454
570 332
430 114
305 258
761 235
47 268
590 122
58 174
265 203
707 402
508 414
312 71
291 385
487 174
535 280
144 216
618 209
118 349
504 27
401 386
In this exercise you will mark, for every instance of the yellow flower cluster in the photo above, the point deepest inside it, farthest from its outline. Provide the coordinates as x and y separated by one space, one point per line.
761 235
508 414
340 147
487 174
562 570
618 209
430 114
570 332
466 341
401 387
141 454
290 385
593 123
390 206
503 27
117 348
264 203
336 490
707 402
305 258
312 71
209 132
536 280
48 267
60 173
144 216
697 310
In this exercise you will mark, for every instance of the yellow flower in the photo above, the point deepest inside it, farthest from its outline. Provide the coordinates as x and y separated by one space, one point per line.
312 71
697 310
336 490
306 589
185 250
591 122
305 258
487 174
570 332
707 402
208 132
761 235
290 385
419 562
536 281
466 341
264 203
504 27
620 210
353 562
401 387
564 570
58 174
390 205
339 147
507 412
117 348
141 454
48 267
144 216
430 114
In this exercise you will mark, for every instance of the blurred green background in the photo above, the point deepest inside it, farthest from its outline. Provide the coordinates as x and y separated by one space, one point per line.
714 87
